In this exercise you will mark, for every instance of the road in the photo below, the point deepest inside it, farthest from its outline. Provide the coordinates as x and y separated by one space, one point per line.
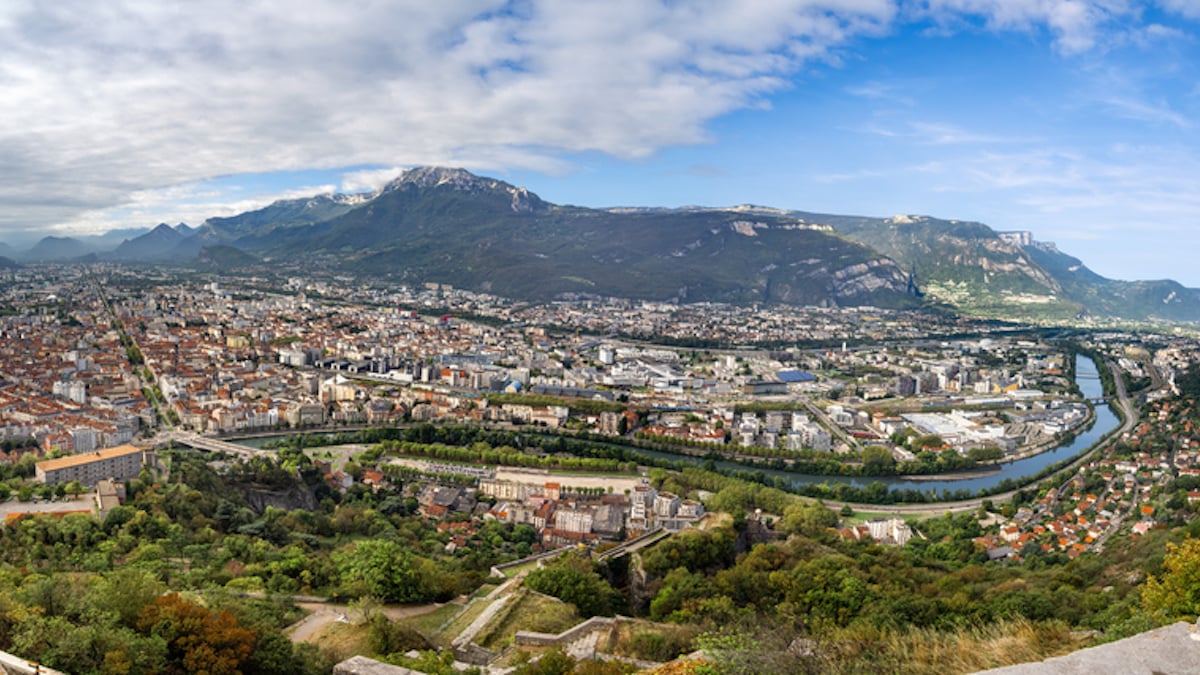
939 508
79 504
850 441
324 613
146 386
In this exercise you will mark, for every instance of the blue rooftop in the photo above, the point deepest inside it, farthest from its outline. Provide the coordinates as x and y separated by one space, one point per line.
793 376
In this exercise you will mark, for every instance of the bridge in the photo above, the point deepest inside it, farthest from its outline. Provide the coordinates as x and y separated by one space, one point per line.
634 545
213 445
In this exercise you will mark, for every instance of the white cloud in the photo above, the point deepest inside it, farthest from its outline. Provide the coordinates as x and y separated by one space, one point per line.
941 133
188 203
889 92
107 102
1078 25
1154 112
102 100
369 180
1187 8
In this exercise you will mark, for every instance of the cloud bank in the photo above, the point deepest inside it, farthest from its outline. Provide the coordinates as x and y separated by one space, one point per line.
114 105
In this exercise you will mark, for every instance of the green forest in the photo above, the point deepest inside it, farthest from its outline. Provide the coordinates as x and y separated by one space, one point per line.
188 577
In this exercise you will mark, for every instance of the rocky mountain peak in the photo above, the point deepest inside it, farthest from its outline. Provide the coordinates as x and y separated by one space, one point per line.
429 177
434 176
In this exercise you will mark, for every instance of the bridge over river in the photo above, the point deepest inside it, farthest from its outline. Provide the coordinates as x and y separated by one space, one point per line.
213 445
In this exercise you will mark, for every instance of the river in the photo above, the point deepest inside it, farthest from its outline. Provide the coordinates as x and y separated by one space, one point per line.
1086 376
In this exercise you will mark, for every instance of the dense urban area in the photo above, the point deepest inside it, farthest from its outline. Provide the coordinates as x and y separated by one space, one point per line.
319 471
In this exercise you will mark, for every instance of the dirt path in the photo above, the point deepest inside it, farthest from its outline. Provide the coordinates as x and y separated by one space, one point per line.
323 613
309 625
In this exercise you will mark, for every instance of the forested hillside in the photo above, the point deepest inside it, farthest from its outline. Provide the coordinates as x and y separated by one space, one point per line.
187 576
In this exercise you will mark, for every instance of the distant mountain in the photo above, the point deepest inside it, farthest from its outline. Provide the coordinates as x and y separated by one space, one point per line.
7 251
159 244
454 227
225 258
1098 295
450 226
1010 274
965 264
258 224
57 249
7 263
111 239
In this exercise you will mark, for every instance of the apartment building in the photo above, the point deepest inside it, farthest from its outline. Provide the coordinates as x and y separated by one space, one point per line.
120 463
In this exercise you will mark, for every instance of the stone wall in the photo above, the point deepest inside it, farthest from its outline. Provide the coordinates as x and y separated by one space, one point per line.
10 663
596 623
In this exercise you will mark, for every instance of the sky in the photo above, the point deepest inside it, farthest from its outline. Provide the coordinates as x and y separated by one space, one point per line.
1075 119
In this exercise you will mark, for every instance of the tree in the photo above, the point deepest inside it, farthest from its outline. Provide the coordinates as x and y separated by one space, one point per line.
125 593
367 608
808 518
571 579
75 488
198 641
928 441
1175 594
989 454
386 637
382 568
679 587
877 459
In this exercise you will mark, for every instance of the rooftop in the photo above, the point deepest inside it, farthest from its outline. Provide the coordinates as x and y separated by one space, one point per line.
76 460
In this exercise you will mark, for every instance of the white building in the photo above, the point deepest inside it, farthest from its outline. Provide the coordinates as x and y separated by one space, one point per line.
890 531
574 520
666 505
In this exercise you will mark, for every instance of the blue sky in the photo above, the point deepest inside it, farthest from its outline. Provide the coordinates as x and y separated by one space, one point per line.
1076 119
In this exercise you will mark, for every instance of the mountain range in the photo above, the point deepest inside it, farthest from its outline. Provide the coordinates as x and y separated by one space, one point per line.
453 227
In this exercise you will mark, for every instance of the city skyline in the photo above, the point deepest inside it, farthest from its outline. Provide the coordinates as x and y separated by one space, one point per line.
1072 119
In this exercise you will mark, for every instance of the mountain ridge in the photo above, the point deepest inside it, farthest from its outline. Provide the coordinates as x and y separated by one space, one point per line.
453 226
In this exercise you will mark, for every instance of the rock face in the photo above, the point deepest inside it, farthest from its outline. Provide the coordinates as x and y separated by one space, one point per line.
866 279
1167 650
426 177
295 498
949 251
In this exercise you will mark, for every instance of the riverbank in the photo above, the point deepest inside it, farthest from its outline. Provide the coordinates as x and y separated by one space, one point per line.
1129 421
969 474
943 488
1046 446
990 468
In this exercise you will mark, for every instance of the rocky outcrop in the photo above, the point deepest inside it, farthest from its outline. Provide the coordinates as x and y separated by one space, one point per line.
361 665
869 278
296 497
1170 649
